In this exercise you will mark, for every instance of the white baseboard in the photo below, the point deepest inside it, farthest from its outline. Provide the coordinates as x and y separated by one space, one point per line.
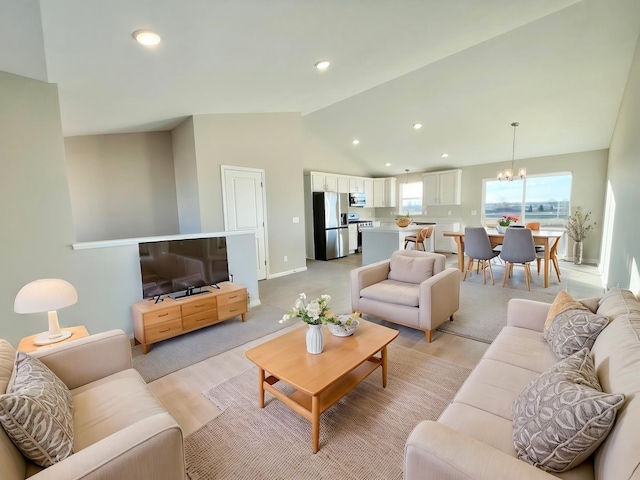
254 303
288 272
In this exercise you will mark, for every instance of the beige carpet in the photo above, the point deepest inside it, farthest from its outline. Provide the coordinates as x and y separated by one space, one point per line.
361 437
483 308
176 353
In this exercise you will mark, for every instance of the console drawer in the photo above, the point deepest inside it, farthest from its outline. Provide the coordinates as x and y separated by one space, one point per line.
197 306
197 320
161 316
163 330
232 309
232 297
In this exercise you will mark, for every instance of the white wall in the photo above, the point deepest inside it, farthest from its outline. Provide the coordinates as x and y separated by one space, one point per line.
21 39
622 247
122 186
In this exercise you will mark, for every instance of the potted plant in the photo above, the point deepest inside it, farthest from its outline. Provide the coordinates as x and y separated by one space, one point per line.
505 221
578 228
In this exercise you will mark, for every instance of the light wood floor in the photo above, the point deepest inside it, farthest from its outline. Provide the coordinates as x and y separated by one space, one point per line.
181 392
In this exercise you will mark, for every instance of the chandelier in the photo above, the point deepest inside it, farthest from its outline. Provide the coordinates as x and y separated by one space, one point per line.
508 173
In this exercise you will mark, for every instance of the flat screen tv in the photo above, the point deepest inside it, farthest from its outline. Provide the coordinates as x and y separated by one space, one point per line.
181 267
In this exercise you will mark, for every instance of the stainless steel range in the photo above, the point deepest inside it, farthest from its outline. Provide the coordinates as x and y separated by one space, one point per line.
362 224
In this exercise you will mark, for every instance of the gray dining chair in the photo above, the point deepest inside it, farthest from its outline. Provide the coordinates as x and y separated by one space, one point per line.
478 247
518 247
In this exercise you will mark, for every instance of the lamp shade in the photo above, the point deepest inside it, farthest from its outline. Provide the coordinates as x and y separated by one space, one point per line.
45 295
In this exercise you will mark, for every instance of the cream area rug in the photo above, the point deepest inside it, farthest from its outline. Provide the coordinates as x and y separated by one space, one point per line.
361 437
179 352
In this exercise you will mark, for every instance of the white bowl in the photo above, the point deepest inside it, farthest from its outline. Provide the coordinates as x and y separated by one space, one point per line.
343 330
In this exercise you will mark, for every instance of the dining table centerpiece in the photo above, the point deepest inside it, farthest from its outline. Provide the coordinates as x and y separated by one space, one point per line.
314 313
505 221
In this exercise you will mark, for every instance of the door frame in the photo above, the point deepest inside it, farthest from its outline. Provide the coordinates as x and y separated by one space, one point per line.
261 171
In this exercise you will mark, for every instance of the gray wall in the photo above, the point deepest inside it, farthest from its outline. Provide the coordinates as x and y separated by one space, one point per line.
589 171
269 141
186 176
622 247
37 227
122 186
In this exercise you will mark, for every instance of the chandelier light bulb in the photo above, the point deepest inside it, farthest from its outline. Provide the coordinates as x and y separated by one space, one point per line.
322 64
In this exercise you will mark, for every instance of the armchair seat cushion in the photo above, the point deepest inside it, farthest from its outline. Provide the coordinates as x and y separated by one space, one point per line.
109 405
411 269
393 291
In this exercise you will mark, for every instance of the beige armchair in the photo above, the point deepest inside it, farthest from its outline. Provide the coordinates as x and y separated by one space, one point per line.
120 429
412 288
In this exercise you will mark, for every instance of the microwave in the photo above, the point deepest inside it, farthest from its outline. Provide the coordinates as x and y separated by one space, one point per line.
357 200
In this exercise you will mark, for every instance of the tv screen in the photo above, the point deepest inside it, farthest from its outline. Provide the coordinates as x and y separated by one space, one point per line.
173 266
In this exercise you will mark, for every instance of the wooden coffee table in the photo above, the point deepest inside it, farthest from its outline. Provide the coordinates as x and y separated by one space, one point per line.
320 380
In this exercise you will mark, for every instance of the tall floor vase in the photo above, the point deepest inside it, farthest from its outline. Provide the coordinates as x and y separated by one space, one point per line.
577 253
315 339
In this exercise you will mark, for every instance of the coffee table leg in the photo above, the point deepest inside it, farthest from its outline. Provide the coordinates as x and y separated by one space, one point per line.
315 422
261 387
383 354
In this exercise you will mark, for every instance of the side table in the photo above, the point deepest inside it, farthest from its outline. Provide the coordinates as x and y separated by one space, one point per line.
26 344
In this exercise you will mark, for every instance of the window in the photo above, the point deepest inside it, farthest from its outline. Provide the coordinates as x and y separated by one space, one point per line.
540 198
411 198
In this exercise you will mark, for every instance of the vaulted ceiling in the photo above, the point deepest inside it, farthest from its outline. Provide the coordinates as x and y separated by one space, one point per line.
463 69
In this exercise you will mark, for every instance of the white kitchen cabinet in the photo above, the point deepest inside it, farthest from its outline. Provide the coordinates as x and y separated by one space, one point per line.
442 243
343 184
368 192
384 192
356 185
322 182
442 188
353 238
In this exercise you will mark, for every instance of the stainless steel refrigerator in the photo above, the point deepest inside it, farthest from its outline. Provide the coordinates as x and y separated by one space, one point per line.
330 227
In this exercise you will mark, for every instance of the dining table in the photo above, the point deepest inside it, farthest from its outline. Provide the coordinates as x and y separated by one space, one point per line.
547 238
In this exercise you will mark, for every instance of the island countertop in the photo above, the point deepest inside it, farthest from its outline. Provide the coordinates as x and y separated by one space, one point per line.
392 227
378 243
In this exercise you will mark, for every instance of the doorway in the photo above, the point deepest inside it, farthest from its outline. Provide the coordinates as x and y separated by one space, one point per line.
244 204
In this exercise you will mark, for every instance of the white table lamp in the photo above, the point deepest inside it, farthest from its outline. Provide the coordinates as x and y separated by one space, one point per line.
47 295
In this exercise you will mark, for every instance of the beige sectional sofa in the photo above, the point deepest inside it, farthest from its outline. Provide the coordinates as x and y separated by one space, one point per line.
473 437
120 430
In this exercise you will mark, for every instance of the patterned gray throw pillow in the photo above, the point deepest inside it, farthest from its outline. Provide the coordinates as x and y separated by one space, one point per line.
37 412
574 330
561 417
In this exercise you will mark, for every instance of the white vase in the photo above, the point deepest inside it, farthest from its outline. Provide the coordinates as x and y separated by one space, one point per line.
315 339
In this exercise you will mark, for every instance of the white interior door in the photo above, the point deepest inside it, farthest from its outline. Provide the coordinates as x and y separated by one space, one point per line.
244 207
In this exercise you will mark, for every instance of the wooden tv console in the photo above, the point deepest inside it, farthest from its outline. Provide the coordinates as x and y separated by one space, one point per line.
153 322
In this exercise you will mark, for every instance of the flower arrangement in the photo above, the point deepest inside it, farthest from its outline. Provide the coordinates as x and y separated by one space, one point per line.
506 220
316 312
578 226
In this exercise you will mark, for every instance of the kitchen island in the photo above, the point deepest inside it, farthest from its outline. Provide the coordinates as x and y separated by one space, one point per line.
378 243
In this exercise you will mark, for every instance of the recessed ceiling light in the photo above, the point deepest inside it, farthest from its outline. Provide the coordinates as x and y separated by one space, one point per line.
322 64
387 164
417 126
355 141
444 155
146 37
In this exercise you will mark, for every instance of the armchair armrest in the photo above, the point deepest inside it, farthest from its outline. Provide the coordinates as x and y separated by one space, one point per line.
88 359
527 314
150 448
366 276
446 454
439 298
